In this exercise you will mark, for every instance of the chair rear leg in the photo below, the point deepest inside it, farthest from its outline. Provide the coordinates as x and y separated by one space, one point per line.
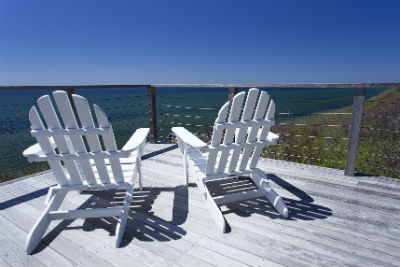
276 201
123 216
40 227
262 181
139 166
139 171
186 167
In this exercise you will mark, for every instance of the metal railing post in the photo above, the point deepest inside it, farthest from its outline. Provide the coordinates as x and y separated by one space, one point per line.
71 91
152 111
232 91
355 128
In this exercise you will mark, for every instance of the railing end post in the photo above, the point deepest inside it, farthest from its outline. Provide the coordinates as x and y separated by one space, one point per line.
354 133
70 91
232 91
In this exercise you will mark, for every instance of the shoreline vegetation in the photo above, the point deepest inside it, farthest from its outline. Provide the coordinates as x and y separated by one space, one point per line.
322 139
318 140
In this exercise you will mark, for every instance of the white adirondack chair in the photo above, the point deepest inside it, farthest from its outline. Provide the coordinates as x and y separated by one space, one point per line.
230 154
83 167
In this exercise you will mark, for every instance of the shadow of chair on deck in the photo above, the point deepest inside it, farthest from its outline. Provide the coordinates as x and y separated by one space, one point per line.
142 223
302 208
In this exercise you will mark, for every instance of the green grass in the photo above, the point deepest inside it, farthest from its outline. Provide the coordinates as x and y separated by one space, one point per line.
318 144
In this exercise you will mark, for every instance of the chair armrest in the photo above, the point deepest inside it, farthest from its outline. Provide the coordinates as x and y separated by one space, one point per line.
189 139
34 151
137 139
272 137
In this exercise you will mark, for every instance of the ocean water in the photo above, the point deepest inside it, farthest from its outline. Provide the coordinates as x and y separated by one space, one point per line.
193 108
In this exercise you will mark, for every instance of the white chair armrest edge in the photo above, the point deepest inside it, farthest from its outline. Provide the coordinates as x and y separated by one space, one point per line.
34 151
136 140
272 137
189 139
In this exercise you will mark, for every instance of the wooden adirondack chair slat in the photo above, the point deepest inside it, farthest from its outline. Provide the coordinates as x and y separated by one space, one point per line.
258 115
68 117
50 116
241 134
110 144
86 120
216 138
234 115
47 147
83 169
263 132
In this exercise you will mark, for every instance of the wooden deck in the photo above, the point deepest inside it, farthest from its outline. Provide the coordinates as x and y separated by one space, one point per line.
334 221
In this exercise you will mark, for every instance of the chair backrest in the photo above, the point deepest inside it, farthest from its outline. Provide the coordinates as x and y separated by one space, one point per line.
244 128
78 147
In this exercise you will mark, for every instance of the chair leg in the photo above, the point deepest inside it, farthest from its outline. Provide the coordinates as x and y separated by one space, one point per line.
49 196
216 213
185 167
40 227
139 171
261 180
212 206
123 217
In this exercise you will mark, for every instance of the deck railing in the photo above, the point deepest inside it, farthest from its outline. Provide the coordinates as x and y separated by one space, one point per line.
164 111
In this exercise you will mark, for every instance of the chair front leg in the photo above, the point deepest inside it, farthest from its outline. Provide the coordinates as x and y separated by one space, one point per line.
183 148
123 217
139 166
40 227
139 171
185 167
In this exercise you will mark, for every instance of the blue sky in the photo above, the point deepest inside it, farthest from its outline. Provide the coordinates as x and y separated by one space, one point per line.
120 42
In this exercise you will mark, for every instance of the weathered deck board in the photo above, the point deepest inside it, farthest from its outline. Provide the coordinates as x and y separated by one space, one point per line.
335 220
298 232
